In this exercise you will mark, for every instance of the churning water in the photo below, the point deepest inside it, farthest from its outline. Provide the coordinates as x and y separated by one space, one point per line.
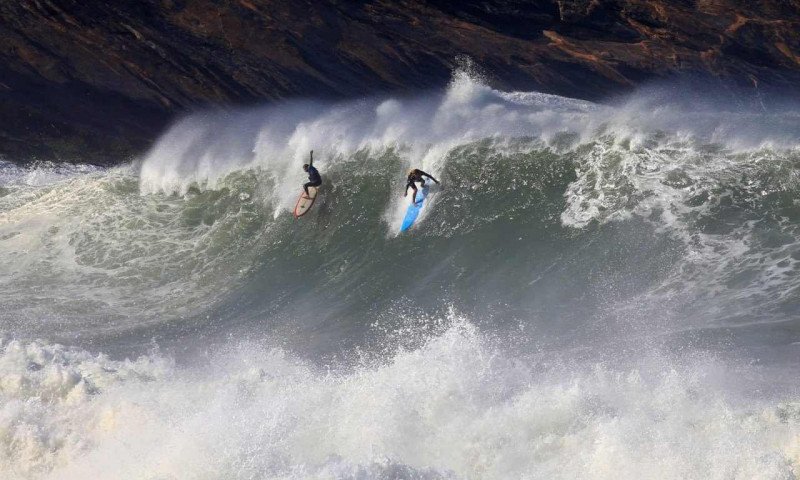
597 291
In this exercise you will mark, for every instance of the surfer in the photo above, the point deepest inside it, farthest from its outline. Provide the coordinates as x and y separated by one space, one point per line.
415 175
314 178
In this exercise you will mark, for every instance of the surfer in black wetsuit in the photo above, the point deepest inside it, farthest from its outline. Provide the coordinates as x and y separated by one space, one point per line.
415 175
314 178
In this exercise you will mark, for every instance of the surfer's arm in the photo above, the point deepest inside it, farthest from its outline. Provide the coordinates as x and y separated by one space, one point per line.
428 175
411 186
311 159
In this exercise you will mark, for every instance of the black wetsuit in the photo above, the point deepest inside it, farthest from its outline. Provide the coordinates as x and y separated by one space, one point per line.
416 176
314 178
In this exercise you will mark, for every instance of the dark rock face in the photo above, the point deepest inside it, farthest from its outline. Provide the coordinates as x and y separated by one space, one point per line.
96 81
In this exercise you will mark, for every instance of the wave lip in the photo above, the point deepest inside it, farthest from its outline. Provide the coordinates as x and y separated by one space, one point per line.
203 148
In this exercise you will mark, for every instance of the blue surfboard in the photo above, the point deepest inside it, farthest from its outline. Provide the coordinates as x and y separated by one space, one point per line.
413 210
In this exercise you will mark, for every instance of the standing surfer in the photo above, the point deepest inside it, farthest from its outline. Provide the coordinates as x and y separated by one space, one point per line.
415 175
314 178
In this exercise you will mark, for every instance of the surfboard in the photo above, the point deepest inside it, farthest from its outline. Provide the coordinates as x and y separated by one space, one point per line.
413 210
304 203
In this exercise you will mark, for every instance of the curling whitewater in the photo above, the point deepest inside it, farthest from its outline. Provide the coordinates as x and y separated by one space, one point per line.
454 407
599 291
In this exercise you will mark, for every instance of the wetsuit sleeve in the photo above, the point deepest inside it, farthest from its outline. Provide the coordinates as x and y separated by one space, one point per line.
428 175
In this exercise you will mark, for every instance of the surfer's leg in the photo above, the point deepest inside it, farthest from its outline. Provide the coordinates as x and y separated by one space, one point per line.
311 184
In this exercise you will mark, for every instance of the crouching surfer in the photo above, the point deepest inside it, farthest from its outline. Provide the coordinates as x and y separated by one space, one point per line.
314 178
415 175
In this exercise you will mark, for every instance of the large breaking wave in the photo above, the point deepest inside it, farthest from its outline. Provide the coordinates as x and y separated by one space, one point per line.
597 291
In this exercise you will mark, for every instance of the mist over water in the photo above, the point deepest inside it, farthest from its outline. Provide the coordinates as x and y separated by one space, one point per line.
596 291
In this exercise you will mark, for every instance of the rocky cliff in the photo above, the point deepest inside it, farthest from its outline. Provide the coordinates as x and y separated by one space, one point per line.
96 81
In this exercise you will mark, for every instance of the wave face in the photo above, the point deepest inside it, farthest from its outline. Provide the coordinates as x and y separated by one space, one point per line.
596 291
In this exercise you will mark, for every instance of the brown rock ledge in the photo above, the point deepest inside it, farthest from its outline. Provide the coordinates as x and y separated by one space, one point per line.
97 81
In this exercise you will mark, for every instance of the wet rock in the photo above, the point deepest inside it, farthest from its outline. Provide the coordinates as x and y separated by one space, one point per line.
97 81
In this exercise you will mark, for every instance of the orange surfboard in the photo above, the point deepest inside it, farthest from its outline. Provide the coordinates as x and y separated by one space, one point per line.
304 203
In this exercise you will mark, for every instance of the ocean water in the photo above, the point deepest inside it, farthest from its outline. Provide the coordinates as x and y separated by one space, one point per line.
596 291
